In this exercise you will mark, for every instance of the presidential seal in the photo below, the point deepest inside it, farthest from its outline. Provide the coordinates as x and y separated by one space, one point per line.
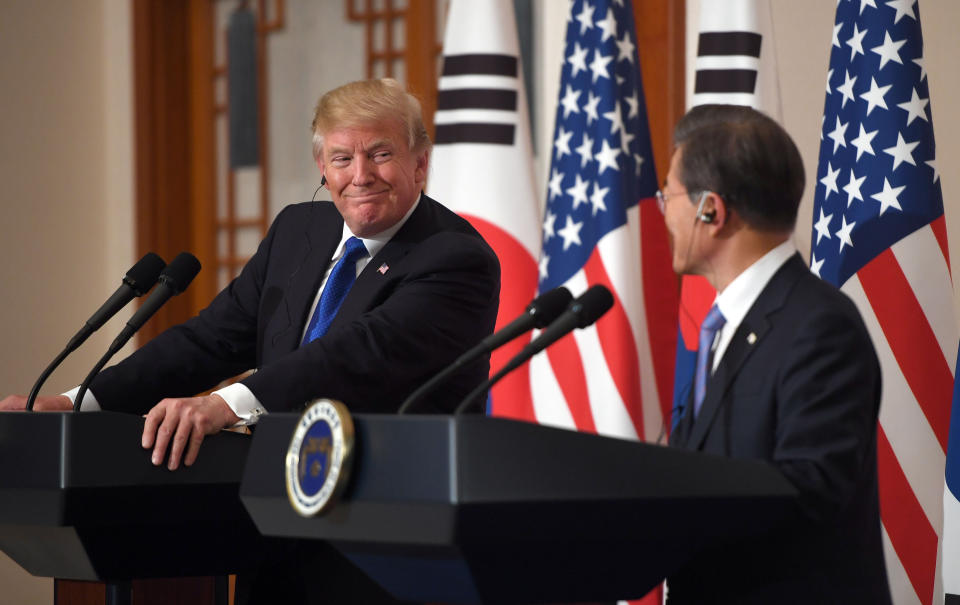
319 457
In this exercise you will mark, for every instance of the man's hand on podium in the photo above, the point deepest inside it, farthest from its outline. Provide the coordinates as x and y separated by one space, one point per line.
182 424
48 403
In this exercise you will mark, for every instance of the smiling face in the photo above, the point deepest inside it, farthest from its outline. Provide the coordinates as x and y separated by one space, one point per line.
373 176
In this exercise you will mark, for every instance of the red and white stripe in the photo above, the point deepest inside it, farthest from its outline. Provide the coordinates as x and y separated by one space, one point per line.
905 298
615 378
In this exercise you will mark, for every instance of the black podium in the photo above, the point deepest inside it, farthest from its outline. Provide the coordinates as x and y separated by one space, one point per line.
80 500
471 509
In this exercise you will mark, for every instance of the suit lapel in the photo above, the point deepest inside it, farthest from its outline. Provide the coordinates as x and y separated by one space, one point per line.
381 269
321 235
749 334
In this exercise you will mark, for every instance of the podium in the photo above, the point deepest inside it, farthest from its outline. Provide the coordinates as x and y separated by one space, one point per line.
470 509
80 500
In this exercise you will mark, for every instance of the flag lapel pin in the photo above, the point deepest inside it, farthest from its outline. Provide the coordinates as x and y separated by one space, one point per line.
383 269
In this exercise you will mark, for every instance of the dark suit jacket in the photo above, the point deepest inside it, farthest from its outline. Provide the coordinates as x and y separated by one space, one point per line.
803 395
429 294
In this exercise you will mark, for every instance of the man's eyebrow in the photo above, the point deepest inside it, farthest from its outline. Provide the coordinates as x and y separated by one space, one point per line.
378 144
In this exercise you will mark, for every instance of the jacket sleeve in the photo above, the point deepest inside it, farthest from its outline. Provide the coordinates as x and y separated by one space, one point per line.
828 396
219 343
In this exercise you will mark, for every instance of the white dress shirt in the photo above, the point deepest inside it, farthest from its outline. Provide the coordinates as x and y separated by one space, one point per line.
737 298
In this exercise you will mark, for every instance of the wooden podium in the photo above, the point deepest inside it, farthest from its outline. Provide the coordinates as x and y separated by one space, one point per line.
469 509
80 500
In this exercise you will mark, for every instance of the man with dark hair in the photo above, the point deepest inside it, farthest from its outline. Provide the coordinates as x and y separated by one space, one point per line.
786 371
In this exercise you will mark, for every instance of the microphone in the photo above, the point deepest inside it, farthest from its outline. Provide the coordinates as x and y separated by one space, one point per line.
173 280
582 312
540 312
138 280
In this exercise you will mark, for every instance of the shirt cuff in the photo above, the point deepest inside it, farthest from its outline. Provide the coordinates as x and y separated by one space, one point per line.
243 402
89 403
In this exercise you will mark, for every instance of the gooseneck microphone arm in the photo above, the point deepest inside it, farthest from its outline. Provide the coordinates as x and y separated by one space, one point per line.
540 312
174 280
582 312
138 280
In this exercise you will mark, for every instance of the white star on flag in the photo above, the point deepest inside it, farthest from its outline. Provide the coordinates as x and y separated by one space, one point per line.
837 135
578 59
856 41
585 150
591 107
915 107
608 27
874 96
889 50
844 233
586 18
852 188
607 157
823 226
830 180
902 151
863 142
888 197
570 233
847 88
599 65
569 102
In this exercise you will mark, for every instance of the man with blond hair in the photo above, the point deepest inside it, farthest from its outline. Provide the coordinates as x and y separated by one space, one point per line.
411 286
360 300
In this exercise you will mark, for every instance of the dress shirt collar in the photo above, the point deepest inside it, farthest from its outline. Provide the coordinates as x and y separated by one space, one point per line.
737 298
375 243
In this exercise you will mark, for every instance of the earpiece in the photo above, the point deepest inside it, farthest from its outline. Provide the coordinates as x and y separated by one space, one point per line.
704 217
323 180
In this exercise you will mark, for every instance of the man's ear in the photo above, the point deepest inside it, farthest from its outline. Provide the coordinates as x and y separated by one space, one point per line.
323 175
423 161
715 211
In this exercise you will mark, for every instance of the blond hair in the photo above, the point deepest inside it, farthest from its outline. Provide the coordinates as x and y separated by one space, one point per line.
367 102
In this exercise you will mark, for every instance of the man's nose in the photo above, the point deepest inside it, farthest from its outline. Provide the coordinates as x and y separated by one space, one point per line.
362 171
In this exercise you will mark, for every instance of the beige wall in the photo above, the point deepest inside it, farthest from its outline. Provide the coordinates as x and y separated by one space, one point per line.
65 198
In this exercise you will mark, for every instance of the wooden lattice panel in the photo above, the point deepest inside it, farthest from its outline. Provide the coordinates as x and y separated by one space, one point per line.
235 227
384 39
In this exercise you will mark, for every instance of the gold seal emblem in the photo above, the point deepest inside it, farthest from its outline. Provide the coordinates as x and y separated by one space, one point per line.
319 457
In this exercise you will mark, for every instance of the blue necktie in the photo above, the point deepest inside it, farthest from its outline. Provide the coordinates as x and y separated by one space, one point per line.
708 330
341 278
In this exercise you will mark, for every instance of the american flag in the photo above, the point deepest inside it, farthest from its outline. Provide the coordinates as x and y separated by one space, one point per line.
601 225
879 233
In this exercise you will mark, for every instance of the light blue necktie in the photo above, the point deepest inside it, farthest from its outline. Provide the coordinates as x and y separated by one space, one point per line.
341 279
708 330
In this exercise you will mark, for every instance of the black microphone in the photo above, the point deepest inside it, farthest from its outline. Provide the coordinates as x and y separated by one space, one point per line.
174 280
582 312
137 282
540 312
